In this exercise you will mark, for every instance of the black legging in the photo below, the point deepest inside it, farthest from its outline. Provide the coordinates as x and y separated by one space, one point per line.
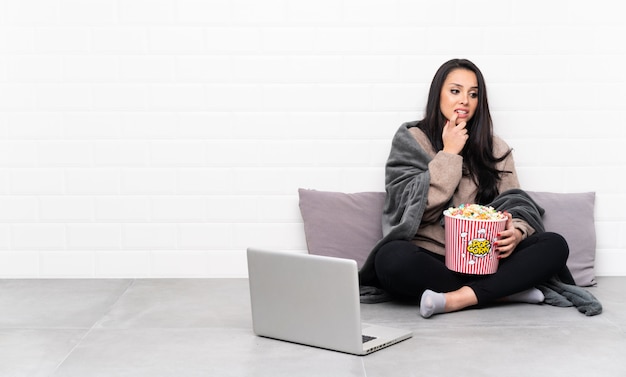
406 270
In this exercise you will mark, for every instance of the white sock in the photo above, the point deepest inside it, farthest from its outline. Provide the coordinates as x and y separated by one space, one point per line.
432 303
531 296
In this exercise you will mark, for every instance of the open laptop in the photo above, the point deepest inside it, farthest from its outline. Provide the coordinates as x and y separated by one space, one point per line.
312 300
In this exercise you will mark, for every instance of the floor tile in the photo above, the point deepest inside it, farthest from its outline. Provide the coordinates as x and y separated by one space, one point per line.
33 352
505 351
200 352
57 303
181 303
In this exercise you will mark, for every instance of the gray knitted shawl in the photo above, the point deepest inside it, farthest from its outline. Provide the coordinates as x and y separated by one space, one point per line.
406 184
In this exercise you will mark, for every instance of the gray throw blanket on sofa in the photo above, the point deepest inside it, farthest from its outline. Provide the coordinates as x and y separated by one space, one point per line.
406 183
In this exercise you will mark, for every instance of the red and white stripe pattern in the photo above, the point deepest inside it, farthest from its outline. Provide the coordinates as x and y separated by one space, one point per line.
469 245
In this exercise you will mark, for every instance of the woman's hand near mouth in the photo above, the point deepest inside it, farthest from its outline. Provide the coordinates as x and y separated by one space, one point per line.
454 135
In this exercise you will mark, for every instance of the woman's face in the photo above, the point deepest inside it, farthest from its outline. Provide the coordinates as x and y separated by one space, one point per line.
459 95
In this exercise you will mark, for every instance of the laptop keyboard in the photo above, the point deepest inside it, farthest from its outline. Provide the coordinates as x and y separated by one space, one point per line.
367 338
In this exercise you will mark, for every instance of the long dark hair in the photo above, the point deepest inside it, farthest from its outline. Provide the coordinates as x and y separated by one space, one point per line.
478 159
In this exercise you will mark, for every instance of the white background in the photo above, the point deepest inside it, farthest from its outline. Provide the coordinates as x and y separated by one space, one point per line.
160 138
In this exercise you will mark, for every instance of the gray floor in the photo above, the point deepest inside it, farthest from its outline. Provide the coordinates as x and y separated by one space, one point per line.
202 327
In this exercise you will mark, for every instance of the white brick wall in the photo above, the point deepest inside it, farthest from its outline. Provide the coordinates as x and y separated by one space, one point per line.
147 138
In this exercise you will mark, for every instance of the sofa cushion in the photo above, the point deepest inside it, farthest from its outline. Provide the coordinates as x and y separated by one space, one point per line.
344 225
572 216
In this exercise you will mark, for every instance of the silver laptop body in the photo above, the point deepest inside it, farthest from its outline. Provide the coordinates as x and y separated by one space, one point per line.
312 300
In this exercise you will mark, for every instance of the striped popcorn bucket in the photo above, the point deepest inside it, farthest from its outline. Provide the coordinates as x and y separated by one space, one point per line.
470 244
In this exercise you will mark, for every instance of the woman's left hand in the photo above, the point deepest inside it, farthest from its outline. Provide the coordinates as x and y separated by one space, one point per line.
508 238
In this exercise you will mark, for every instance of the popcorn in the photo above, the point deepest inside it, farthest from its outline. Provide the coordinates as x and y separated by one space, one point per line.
475 212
